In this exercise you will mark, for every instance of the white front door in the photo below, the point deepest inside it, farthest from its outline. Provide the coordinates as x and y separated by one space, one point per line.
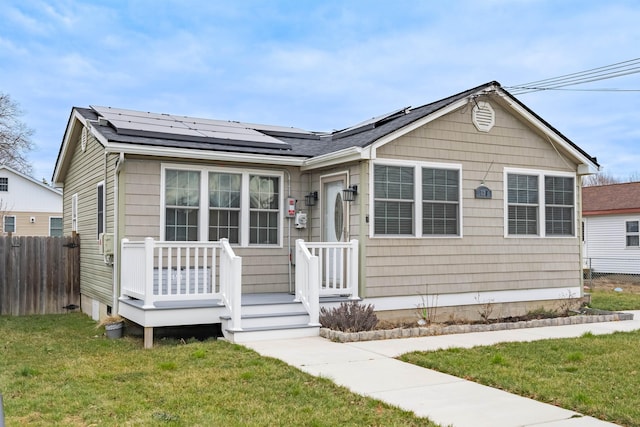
334 229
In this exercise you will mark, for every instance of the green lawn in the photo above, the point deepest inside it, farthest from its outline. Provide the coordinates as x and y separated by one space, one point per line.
61 370
607 299
594 375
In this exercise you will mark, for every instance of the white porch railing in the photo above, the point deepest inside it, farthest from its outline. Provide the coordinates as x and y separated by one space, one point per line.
338 267
308 281
325 268
231 283
155 271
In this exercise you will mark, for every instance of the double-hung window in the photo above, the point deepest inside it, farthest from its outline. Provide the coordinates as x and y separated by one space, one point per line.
100 217
440 201
539 203
9 224
204 203
182 204
4 183
633 234
74 212
523 202
264 202
55 226
393 200
416 199
559 198
224 206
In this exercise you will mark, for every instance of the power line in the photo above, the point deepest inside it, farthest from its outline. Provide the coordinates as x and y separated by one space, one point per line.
619 69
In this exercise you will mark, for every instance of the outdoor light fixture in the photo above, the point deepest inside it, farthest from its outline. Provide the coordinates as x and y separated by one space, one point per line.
310 199
349 194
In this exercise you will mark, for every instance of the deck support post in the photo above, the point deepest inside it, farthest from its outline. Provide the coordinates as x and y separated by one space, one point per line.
148 337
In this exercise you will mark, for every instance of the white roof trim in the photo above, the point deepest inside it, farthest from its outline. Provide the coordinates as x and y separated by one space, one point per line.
553 135
64 151
330 159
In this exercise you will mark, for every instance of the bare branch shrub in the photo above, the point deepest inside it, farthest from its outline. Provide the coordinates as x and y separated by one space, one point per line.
485 309
349 317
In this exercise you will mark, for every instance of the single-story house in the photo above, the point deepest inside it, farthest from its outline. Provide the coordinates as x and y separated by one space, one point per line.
468 200
611 228
28 207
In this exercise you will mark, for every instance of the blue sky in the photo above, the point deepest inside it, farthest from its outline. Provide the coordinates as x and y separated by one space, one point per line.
318 65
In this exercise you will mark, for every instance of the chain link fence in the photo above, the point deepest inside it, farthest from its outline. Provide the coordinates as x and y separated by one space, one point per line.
607 271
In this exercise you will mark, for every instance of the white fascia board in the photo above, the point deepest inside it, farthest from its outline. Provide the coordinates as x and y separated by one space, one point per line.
586 165
203 155
64 150
415 125
331 159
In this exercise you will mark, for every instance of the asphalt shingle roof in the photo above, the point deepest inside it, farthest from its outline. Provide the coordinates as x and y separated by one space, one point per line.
611 199
305 146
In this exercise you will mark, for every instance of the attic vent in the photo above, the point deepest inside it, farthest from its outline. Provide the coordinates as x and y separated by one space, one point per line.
83 139
483 116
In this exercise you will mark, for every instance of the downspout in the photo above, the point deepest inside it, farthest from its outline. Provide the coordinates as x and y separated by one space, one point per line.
289 254
116 240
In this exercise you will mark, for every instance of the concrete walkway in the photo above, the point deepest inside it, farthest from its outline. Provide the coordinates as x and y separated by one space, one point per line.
369 368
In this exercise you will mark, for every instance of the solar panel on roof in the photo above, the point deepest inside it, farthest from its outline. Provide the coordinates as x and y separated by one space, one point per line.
137 123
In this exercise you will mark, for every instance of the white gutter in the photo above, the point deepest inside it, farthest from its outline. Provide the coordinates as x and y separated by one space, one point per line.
183 153
330 159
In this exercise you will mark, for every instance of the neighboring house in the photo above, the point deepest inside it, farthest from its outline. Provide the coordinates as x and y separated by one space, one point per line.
469 200
611 233
28 207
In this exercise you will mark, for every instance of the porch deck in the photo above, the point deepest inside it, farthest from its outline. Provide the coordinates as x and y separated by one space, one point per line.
247 300
195 283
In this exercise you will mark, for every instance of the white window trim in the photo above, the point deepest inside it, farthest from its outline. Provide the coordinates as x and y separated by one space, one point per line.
626 233
203 208
15 223
56 217
74 212
417 198
104 209
541 203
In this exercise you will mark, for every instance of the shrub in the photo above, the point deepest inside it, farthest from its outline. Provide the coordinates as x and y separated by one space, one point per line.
349 317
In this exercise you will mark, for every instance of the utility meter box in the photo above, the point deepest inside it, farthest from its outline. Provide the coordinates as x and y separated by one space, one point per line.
291 207
105 243
301 220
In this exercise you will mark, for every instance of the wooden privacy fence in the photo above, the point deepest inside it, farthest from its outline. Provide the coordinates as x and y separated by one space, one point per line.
39 275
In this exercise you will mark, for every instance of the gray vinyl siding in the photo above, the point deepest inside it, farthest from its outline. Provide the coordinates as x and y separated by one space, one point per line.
482 259
263 269
86 170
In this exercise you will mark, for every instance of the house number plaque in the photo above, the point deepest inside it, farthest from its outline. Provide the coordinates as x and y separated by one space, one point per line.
483 192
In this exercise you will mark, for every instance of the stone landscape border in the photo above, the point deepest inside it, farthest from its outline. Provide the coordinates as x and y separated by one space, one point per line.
433 330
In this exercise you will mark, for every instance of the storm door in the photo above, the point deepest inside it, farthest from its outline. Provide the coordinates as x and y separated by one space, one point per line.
334 229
